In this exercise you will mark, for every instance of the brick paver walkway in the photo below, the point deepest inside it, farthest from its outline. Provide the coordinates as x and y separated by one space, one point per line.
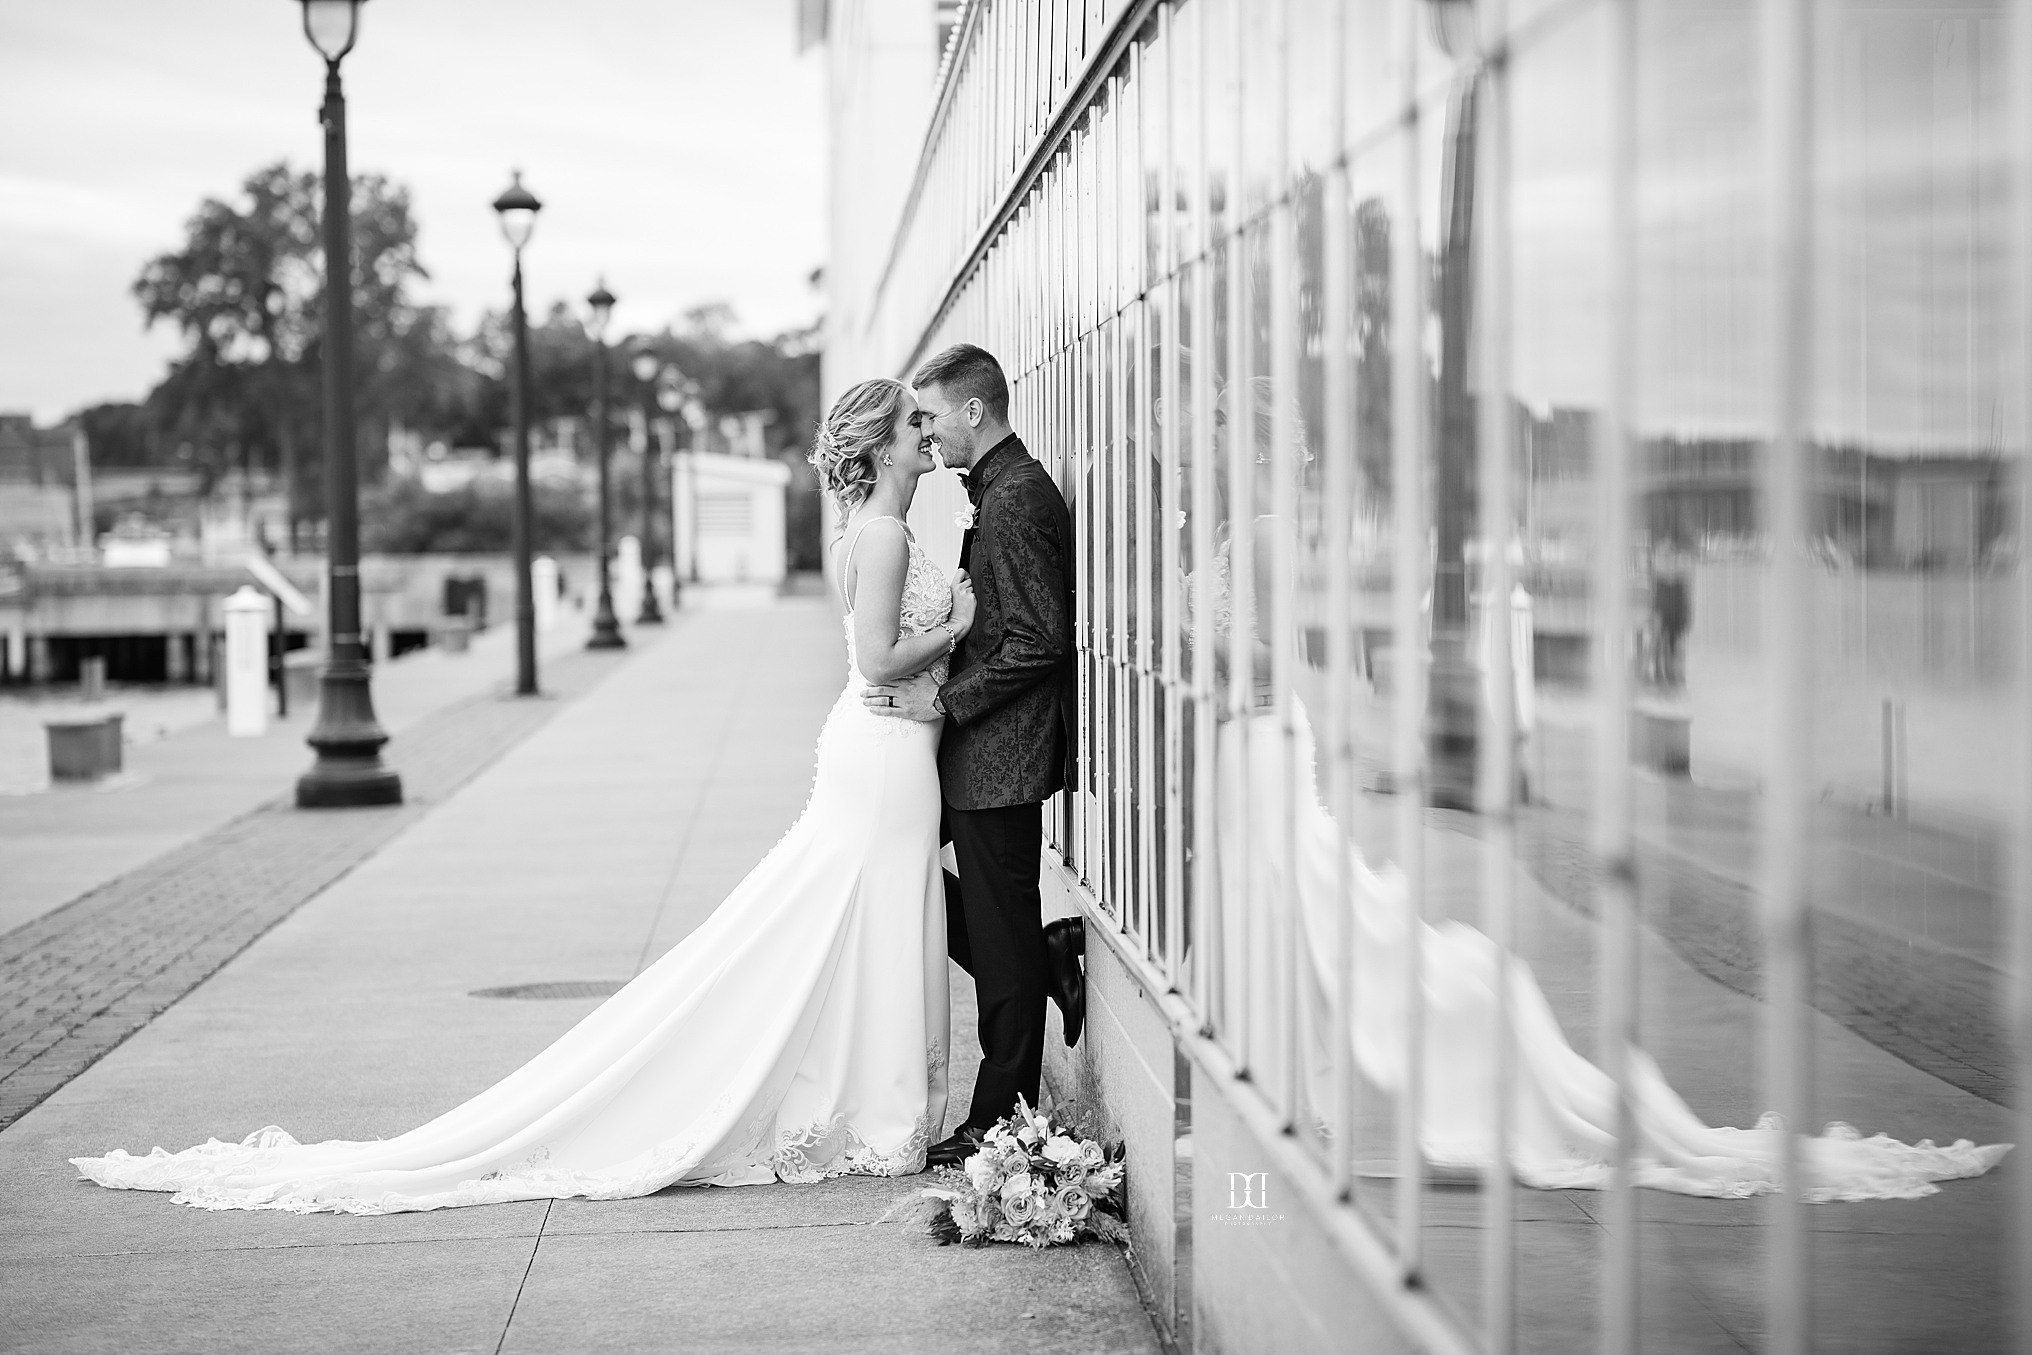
76 982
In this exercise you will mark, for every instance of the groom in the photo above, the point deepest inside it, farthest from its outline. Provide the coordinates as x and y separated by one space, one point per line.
1007 745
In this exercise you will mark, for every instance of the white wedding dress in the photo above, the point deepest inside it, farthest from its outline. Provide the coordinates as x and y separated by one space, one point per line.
798 1034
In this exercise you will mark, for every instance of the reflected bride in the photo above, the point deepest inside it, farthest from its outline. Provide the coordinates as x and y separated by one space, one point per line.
1278 858
1564 1113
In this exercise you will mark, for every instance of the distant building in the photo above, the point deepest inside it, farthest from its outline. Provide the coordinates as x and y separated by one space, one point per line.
38 502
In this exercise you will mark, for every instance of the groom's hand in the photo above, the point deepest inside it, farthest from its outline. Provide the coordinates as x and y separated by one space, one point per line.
909 699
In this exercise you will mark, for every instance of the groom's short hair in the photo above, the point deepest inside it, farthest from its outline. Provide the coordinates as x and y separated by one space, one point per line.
968 373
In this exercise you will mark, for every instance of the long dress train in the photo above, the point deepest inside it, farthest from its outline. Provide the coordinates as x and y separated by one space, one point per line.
1564 1111
799 1033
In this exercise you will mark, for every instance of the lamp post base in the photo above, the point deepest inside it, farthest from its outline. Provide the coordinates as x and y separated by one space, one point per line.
652 610
606 626
1452 719
348 772
342 783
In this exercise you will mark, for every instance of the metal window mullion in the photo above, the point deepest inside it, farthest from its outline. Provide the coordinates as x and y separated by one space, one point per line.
1283 631
2019 1013
1787 78
1103 599
1026 84
1339 452
1119 580
1096 582
1497 750
1410 576
1144 390
1169 564
1206 883
1083 614
1241 577
1615 785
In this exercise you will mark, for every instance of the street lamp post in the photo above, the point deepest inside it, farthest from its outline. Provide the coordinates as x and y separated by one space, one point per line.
646 365
518 208
606 627
348 739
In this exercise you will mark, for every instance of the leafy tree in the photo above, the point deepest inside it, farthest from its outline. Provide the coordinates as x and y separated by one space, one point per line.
120 433
401 517
247 291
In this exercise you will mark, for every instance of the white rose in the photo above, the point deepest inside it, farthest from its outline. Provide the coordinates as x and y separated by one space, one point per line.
981 1171
1058 1149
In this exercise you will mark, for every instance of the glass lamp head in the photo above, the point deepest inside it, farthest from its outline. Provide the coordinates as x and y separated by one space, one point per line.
645 364
518 208
332 26
601 303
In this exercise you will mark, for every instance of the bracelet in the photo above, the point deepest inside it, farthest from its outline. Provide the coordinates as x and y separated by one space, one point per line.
952 637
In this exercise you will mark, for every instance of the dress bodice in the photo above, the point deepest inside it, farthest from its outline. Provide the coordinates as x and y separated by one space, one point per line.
927 600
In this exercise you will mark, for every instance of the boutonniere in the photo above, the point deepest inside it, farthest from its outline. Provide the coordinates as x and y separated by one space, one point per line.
964 519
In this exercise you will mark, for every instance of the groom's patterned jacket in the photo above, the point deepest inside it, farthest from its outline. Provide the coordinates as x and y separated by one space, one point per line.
1009 700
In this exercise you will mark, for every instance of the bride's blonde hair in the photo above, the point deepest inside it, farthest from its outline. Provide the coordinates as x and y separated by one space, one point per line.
853 434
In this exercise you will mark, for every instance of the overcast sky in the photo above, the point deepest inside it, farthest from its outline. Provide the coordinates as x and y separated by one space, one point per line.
676 144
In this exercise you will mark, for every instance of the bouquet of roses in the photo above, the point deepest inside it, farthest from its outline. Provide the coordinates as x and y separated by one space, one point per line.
1031 1182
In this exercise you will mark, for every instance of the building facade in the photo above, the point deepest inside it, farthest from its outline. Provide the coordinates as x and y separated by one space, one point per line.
1547 479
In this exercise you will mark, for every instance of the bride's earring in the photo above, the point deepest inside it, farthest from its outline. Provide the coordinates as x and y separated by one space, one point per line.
888 460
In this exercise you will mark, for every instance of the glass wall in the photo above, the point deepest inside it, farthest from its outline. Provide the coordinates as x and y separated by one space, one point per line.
1549 612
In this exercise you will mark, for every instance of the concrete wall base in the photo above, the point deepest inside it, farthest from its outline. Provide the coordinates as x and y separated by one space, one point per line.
1227 1254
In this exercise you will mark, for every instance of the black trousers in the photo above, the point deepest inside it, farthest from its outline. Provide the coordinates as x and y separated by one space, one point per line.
995 931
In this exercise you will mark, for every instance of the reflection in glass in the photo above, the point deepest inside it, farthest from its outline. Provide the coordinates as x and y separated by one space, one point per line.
1199 299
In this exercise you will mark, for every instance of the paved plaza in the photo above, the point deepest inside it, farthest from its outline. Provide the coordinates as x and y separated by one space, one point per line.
592 840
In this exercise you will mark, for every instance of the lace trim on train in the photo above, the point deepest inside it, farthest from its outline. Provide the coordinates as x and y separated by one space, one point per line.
832 1148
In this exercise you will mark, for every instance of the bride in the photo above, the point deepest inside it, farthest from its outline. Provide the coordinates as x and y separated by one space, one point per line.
798 1034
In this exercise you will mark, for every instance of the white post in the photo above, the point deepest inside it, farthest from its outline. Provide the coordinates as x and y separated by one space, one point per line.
543 589
81 455
683 518
628 580
247 662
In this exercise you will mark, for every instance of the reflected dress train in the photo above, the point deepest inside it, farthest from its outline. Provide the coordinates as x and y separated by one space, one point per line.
1564 1109
799 1033
1563 1112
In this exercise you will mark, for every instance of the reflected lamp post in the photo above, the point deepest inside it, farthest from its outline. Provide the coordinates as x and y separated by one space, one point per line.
673 394
606 627
518 208
1454 701
646 365
347 737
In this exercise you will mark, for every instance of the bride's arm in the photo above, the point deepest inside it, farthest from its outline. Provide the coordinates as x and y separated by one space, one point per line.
882 651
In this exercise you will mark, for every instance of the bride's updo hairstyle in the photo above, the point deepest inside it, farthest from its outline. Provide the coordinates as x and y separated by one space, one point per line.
851 439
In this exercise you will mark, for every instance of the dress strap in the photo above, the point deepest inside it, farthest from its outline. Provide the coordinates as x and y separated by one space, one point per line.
847 565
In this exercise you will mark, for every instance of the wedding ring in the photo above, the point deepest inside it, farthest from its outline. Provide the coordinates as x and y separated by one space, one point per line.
890 699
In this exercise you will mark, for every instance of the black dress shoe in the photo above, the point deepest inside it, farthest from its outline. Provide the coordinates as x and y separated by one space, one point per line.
953 1151
1065 940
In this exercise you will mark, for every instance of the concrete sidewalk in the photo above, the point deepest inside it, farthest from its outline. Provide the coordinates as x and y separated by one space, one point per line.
59 843
579 856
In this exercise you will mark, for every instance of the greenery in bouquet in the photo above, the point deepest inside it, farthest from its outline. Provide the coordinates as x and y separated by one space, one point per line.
1032 1181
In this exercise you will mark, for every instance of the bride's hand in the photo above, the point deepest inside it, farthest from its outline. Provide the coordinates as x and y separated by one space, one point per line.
963 605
